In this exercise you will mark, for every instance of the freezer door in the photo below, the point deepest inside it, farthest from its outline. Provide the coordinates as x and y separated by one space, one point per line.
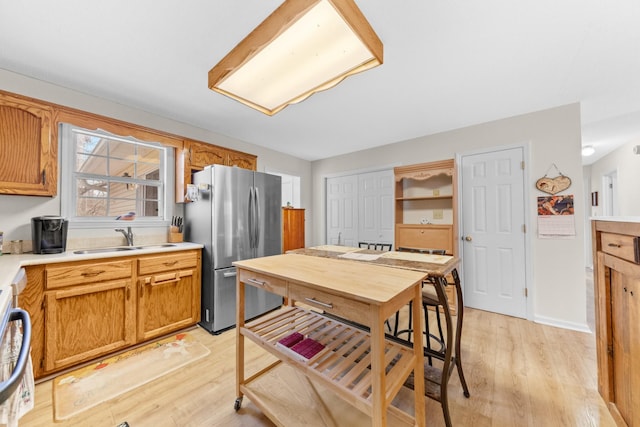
231 189
223 311
268 189
198 225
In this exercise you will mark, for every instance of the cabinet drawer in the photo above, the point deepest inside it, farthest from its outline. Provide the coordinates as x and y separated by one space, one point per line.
330 303
172 261
268 283
59 276
425 236
622 246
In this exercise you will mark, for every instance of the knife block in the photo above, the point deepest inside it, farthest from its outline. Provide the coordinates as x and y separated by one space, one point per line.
174 235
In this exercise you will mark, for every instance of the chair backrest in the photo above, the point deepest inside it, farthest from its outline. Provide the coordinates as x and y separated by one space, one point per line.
376 246
424 250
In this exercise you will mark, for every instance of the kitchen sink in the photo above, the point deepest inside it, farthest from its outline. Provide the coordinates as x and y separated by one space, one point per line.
103 250
162 245
122 248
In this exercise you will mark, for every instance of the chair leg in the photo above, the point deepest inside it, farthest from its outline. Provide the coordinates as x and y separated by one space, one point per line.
409 329
440 328
444 402
428 335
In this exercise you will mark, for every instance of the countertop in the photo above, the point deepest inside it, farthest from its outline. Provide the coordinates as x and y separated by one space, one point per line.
10 264
616 218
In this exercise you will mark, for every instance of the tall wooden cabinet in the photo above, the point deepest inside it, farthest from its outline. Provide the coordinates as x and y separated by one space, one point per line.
426 210
292 229
28 146
616 250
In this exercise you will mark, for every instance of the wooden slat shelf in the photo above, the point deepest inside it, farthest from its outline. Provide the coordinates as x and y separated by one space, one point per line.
344 363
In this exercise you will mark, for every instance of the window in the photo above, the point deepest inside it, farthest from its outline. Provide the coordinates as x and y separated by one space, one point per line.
105 176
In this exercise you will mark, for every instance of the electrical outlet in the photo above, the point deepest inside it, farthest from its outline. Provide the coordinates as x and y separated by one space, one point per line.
436 192
438 214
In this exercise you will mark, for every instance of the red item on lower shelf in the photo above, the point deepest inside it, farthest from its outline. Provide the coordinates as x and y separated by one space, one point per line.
291 339
308 348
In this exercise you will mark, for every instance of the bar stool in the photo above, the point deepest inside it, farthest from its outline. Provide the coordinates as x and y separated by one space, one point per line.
429 299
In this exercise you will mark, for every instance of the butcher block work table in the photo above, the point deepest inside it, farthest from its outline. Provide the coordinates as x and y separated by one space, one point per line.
361 367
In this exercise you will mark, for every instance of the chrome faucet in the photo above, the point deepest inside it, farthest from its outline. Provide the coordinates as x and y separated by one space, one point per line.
128 234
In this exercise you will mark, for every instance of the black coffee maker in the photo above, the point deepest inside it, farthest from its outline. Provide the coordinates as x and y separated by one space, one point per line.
49 234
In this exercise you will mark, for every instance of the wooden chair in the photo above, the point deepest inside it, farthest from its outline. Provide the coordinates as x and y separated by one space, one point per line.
386 247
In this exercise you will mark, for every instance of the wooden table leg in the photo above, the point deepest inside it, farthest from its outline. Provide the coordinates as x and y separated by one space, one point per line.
240 292
418 372
378 385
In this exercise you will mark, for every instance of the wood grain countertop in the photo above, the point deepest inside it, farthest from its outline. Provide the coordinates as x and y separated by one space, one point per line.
365 282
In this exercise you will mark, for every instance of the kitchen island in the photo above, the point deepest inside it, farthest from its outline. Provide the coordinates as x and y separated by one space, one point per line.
362 293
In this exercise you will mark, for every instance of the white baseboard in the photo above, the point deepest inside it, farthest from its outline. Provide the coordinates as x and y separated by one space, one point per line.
580 327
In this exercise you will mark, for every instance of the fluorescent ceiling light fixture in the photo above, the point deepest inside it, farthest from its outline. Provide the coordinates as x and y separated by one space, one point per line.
588 150
303 47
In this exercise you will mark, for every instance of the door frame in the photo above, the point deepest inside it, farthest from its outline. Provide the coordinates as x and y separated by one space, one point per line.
530 229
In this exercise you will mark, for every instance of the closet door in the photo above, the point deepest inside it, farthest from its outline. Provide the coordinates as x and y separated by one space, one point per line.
375 206
360 208
342 210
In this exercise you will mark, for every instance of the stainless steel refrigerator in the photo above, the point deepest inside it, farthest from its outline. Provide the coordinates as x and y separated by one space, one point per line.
236 216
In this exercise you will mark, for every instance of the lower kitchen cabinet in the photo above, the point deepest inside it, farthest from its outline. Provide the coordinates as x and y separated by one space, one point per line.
168 295
83 310
87 321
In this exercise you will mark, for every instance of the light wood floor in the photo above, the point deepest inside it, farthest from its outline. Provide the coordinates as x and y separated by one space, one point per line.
520 374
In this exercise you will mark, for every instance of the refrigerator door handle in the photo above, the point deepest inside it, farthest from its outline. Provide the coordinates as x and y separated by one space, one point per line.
258 217
251 219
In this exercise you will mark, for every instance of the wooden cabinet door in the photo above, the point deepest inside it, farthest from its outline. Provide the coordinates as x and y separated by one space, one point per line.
28 148
167 302
242 160
87 321
201 155
625 339
292 229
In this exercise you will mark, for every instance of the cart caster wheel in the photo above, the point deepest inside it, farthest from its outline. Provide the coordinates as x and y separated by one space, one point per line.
237 404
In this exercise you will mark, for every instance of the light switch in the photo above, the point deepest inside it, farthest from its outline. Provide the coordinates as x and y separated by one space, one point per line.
438 214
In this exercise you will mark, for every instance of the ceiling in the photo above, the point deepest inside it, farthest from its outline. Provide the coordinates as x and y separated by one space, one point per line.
447 64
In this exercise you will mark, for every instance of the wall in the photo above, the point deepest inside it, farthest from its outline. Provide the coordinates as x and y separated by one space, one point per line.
16 211
553 136
627 165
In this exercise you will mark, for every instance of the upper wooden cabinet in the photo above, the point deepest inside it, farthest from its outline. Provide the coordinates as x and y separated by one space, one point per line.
195 155
28 147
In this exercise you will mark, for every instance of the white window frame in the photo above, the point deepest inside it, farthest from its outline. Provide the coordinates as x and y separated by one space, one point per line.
68 195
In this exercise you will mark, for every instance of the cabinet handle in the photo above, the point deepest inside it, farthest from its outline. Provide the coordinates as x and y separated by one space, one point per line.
256 282
170 263
320 303
93 273
128 293
164 282
44 177
614 245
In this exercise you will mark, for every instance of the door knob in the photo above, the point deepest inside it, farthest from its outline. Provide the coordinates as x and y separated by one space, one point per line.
468 238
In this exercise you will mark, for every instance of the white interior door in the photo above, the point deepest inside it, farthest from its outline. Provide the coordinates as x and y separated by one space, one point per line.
493 239
375 206
342 210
